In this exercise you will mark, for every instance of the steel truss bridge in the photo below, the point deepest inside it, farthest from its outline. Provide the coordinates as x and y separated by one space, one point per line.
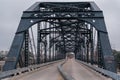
49 30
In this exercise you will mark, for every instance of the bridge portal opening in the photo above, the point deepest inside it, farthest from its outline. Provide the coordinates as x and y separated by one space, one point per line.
70 55
61 27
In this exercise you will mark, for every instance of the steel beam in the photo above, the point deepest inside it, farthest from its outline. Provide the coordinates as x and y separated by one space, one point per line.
14 53
69 31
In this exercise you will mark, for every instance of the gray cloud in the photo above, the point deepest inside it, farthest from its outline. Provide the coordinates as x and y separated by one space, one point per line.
11 11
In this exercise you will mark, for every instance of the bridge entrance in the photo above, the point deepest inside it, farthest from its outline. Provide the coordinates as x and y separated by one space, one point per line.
61 27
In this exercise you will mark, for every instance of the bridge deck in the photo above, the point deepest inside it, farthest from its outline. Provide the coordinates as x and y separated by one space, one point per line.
49 72
77 70
82 72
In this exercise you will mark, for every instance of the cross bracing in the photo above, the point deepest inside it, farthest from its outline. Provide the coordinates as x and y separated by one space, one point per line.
62 27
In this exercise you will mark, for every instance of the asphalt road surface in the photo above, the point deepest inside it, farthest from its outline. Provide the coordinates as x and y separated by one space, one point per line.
81 72
49 72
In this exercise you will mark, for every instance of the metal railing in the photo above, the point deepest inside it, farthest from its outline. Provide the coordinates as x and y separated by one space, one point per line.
110 74
11 73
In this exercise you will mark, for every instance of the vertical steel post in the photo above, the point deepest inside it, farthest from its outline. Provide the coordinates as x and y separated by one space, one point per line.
26 48
38 43
45 44
87 52
92 46
45 54
100 61
49 43
54 43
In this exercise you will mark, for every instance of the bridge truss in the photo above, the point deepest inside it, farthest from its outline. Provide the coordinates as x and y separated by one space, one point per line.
62 27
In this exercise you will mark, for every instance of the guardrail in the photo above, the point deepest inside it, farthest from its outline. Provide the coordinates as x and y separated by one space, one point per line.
63 73
19 71
110 74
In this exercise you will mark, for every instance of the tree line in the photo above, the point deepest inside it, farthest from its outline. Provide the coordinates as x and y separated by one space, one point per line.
117 58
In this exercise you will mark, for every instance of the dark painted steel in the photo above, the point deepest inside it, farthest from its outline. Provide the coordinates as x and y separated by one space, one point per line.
38 43
70 30
26 54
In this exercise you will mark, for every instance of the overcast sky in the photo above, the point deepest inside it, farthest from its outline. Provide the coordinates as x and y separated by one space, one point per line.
11 11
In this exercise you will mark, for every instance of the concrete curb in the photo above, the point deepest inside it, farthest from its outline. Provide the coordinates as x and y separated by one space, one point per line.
63 73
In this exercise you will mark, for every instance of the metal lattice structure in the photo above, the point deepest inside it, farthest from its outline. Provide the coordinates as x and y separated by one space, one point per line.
62 27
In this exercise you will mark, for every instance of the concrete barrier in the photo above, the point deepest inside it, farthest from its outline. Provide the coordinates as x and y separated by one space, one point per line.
63 73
